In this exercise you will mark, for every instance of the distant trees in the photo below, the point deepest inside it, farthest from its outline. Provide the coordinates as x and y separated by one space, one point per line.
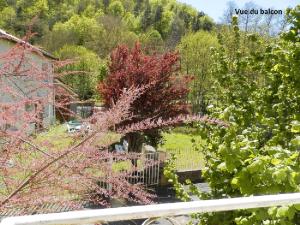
196 60
266 24
229 12
78 30
106 3
146 17
152 41
115 32
177 30
163 21
85 68
145 14
138 7
8 15
116 8
165 94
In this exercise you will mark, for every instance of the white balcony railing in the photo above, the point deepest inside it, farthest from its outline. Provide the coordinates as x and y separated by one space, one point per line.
154 211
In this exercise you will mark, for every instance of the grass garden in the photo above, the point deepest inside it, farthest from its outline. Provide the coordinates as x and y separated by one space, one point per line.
180 141
186 149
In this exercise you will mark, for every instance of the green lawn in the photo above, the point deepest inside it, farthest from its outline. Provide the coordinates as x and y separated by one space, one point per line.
59 138
178 141
183 146
56 136
55 139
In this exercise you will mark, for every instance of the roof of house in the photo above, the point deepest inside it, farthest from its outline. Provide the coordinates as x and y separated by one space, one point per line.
5 35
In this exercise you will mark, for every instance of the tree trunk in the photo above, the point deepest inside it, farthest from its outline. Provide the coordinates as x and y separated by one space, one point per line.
135 142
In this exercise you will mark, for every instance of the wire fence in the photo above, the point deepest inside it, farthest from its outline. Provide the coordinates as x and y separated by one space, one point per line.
187 159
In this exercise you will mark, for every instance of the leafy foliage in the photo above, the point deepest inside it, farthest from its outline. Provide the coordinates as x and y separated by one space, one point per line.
258 93
86 70
196 59
51 14
166 95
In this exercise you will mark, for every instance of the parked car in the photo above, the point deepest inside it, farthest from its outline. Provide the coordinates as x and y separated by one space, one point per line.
77 126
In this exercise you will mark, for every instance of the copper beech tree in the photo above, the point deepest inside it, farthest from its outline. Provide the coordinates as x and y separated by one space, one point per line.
34 171
165 98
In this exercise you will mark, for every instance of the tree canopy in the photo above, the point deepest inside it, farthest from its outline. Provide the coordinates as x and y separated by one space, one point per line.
166 92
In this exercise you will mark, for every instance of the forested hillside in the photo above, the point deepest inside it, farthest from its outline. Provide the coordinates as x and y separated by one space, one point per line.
165 20
91 29
88 31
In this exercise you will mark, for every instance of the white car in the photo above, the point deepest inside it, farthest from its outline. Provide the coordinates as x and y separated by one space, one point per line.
76 126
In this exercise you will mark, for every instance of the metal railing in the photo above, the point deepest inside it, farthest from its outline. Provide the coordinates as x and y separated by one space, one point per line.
154 211
144 168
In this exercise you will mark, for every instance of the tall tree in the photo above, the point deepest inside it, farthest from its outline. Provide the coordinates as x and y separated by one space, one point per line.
165 96
138 7
158 13
86 69
147 17
196 22
116 8
106 4
229 12
196 59
177 31
152 41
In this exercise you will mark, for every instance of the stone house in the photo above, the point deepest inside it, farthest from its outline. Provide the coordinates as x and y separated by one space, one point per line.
42 59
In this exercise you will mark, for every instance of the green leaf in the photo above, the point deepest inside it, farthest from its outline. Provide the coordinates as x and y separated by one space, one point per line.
222 166
295 126
295 155
297 207
279 176
188 181
296 141
282 211
272 211
275 161
234 182
255 166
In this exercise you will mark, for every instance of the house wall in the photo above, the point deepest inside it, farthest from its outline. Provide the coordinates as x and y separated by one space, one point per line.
23 85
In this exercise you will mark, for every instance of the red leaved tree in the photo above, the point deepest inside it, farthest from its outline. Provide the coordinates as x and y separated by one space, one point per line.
166 96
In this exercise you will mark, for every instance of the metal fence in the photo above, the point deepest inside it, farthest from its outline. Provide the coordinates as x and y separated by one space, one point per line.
148 165
145 168
187 159
142 168
168 210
